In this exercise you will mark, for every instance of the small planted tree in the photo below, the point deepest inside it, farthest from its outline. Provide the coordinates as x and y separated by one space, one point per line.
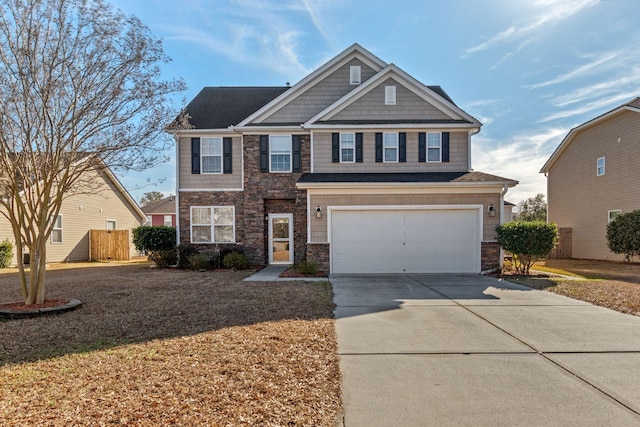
623 235
528 241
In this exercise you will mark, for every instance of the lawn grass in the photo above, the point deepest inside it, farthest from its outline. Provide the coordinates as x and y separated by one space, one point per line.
155 347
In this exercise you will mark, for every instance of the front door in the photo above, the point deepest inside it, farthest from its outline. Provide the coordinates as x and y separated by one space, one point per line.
280 239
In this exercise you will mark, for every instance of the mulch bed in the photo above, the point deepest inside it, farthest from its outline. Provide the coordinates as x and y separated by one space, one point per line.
292 272
21 306
168 347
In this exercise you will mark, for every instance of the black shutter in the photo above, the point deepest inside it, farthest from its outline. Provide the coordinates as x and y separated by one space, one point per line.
195 155
402 147
264 153
422 147
226 155
297 153
359 148
335 147
445 146
378 147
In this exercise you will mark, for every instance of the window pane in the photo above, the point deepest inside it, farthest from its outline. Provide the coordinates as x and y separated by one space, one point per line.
347 154
58 223
200 234
280 162
390 155
201 215
433 140
211 164
347 139
390 139
168 221
211 146
223 234
433 155
280 144
56 236
223 216
280 148
111 225
280 228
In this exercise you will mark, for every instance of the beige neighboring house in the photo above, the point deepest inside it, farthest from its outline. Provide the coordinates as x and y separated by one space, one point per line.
108 206
593 176
358 167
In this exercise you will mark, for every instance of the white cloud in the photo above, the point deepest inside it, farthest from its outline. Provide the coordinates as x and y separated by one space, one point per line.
599 65
554 11
598 105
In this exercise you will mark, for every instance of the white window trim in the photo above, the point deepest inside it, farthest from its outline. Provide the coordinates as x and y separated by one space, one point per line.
390 95
55 229
618 211
106 224
212 225
355 75
598 166
353 147
202 155
439 147
384 148
290 154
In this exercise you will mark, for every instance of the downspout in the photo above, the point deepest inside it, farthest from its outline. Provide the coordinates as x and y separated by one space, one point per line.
471 133
505 188
177 191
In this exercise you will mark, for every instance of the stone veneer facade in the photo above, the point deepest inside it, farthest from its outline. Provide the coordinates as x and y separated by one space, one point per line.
264 193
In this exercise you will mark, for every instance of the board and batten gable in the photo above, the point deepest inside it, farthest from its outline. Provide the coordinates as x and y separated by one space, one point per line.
319 96
458 154
83 212
581 200
187 180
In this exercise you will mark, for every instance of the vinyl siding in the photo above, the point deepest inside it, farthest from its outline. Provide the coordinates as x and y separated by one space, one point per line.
81 213
319 226
579 199
320 96
409 106
208 181
458 156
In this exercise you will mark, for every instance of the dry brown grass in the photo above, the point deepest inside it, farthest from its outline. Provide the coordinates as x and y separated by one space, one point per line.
162 347
607 284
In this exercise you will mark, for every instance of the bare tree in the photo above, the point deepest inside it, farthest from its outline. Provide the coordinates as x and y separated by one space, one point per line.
81 89
150 197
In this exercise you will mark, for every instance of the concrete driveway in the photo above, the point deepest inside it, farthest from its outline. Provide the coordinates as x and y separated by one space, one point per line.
469 350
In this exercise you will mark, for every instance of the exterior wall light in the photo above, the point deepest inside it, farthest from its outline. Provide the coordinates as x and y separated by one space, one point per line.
491 211
318 212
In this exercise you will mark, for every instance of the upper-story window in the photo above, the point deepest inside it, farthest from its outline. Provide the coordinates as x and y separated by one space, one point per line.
600 166
211 157
347 147
280 153
390 95
390 151
434 147
355 74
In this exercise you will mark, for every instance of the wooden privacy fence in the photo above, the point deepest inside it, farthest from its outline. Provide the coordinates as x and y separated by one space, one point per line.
563 249
109 245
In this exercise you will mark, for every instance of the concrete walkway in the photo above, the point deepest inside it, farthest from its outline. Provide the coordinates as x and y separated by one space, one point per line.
422 350
271 273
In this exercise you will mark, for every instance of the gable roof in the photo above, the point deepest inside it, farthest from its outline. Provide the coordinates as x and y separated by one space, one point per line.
633 106
353 51
163 206
427 93
221 107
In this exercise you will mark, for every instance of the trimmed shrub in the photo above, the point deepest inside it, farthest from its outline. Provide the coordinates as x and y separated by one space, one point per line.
199 262
307 267
184 254
623 235
223 251
6 253
164 258
148 239
528 241
235 261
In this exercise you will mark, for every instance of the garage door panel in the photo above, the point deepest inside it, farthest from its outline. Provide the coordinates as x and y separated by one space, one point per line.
410 241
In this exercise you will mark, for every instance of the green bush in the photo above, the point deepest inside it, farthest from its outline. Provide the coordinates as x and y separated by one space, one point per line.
623 235
184 253
199 262
159 238
164 258
6 253
235 261
528 241
307 267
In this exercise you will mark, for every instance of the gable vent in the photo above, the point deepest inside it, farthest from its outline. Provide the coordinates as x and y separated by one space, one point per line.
355 73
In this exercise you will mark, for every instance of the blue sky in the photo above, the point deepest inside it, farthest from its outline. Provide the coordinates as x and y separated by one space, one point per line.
529 70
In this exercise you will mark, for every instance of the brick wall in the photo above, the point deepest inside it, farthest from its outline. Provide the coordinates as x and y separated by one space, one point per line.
490 257
319 253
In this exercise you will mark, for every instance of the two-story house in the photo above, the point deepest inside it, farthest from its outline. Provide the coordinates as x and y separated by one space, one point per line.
358 167
593 176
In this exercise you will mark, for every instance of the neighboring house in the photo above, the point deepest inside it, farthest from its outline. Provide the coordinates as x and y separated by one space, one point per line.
358 167
593 176
161 212
508 211
108 206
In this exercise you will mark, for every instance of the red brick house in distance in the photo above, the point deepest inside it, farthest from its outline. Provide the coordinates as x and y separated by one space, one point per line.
161 212
358 167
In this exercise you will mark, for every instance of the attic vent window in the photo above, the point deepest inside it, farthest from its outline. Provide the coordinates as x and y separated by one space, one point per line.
355 73
390 95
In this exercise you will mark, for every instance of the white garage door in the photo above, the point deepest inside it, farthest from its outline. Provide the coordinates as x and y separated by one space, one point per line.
405 241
